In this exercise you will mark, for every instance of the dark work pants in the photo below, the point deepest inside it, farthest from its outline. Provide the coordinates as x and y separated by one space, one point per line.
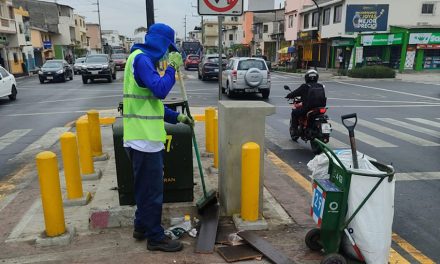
148 190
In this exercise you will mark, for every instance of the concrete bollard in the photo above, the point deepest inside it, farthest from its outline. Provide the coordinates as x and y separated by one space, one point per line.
50 189
250 181
216 142
209 128
95 133
69 153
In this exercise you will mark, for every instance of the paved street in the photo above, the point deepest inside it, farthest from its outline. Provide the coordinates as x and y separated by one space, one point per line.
399 124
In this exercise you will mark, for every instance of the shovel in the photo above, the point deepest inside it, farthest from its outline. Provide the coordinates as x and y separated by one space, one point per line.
350 126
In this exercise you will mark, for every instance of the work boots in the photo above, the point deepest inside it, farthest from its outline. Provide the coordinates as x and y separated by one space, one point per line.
166 245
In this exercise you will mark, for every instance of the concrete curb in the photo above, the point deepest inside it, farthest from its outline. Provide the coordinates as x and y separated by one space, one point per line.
92 177
62 240
87 197
103 157
241 224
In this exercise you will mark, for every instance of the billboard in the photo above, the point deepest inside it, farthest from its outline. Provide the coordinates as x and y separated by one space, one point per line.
361 18
260 5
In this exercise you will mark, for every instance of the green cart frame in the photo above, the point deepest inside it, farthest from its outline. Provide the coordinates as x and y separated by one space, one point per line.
332 205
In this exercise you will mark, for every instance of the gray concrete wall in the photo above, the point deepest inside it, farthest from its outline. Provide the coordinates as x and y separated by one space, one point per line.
239 122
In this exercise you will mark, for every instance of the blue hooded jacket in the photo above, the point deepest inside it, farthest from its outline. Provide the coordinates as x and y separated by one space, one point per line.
158 40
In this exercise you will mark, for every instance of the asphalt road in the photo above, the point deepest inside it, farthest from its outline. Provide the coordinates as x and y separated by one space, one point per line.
399 124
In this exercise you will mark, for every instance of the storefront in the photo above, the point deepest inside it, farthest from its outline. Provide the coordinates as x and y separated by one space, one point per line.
427 49
341 52
312 52
379 49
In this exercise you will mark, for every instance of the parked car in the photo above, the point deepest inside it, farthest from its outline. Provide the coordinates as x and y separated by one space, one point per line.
8 86
55 70
192 61
79 62
208 67
120 59
268 62
246 75
98 66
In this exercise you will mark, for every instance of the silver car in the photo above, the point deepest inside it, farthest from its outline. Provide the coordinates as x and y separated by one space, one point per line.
78 64
246 75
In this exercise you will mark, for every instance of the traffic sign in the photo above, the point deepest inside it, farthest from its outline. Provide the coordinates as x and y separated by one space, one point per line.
220 7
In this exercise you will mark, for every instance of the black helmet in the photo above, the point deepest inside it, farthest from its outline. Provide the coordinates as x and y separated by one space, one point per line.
311 76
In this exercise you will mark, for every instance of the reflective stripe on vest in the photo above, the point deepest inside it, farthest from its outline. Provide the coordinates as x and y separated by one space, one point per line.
143 113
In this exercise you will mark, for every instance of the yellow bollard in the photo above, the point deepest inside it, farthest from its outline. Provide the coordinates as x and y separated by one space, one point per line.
50 190
216 142
209 128
95 133
85 151
250 181
69 153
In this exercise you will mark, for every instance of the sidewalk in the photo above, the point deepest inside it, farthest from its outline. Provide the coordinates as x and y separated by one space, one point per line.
286 207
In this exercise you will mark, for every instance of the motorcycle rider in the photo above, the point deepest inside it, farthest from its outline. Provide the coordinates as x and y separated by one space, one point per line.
312 95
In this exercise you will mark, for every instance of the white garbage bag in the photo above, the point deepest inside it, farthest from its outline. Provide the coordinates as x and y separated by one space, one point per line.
371 228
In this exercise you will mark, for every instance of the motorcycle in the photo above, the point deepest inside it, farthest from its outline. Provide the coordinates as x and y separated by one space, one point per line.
313 125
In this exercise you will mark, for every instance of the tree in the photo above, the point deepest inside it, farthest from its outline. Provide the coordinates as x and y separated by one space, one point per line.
140 30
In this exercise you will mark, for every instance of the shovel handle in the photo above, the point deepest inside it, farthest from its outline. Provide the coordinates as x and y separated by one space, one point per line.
350 127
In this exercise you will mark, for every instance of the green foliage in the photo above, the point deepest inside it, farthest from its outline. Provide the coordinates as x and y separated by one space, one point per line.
342 72
372 72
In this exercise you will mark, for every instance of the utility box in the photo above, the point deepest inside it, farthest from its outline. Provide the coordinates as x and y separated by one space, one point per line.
178 165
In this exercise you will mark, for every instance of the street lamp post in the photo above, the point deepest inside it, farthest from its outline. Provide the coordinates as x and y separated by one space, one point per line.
149 4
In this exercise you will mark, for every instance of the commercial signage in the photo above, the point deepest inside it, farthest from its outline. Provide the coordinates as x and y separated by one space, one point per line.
342 42
307 35
382 39
47 44
220 7
362 18
424 38
428 46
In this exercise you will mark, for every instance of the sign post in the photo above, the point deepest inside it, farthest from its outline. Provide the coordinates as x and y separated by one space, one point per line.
220 8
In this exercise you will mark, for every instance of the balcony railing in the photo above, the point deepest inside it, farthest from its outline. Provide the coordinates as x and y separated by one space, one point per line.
4 22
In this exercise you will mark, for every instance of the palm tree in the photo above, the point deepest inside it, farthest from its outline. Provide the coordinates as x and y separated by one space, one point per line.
140 30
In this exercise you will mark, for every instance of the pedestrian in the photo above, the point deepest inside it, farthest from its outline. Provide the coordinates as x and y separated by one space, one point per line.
341 61
144 132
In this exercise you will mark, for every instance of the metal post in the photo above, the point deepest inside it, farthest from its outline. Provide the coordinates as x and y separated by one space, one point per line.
150 12
319 18
220 57
85 150
100 30
216 142
209 129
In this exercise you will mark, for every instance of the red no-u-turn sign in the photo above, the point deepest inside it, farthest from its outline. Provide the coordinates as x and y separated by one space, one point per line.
221 7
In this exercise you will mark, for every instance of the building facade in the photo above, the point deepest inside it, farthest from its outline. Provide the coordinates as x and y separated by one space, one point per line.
94 41
81 47
7 34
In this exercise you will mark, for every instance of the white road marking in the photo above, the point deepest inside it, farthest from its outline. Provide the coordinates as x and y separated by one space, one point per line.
367 139
374 106
411 127
379 101
391 91
402 136
11 137
18 229
417 176
425 122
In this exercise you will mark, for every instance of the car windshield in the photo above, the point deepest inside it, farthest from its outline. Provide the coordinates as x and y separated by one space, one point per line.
53 64
247 64
193 57
120 56
96 59
80 60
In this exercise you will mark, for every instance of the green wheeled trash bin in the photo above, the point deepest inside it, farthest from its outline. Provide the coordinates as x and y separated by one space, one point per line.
178 165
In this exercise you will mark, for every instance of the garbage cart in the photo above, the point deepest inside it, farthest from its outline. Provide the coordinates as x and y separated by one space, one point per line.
330 203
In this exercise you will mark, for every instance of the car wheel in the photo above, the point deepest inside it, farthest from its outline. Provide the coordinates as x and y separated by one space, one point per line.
41 81
85 80
114 75
71 76
64 78
110 79
229 93
204 78
13 95
198 74
265 93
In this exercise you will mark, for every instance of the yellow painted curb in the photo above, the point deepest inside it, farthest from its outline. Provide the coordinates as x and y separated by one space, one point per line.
199 117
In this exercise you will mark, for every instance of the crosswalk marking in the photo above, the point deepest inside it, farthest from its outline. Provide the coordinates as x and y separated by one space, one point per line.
397 134
44 142
414 176
425 122
12 136
363 137
411 127
280 140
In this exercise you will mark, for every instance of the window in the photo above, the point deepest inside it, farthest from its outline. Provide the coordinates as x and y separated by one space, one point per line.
326 18
4 73
20 28
265 28
428 9
15 57
315 19
291 21
306 21
76 22
231 37
338 14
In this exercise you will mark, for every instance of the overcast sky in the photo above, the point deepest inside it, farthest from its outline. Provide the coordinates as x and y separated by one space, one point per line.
126 15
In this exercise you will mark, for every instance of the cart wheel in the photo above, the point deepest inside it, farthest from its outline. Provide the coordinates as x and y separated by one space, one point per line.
312 239
333 258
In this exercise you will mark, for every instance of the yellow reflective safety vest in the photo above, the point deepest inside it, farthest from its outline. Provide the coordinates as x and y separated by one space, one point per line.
143 113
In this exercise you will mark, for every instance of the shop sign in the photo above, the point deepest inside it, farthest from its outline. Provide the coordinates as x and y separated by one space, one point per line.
428 46
47 44
342 42
382 39
307 35
361 18
424 38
